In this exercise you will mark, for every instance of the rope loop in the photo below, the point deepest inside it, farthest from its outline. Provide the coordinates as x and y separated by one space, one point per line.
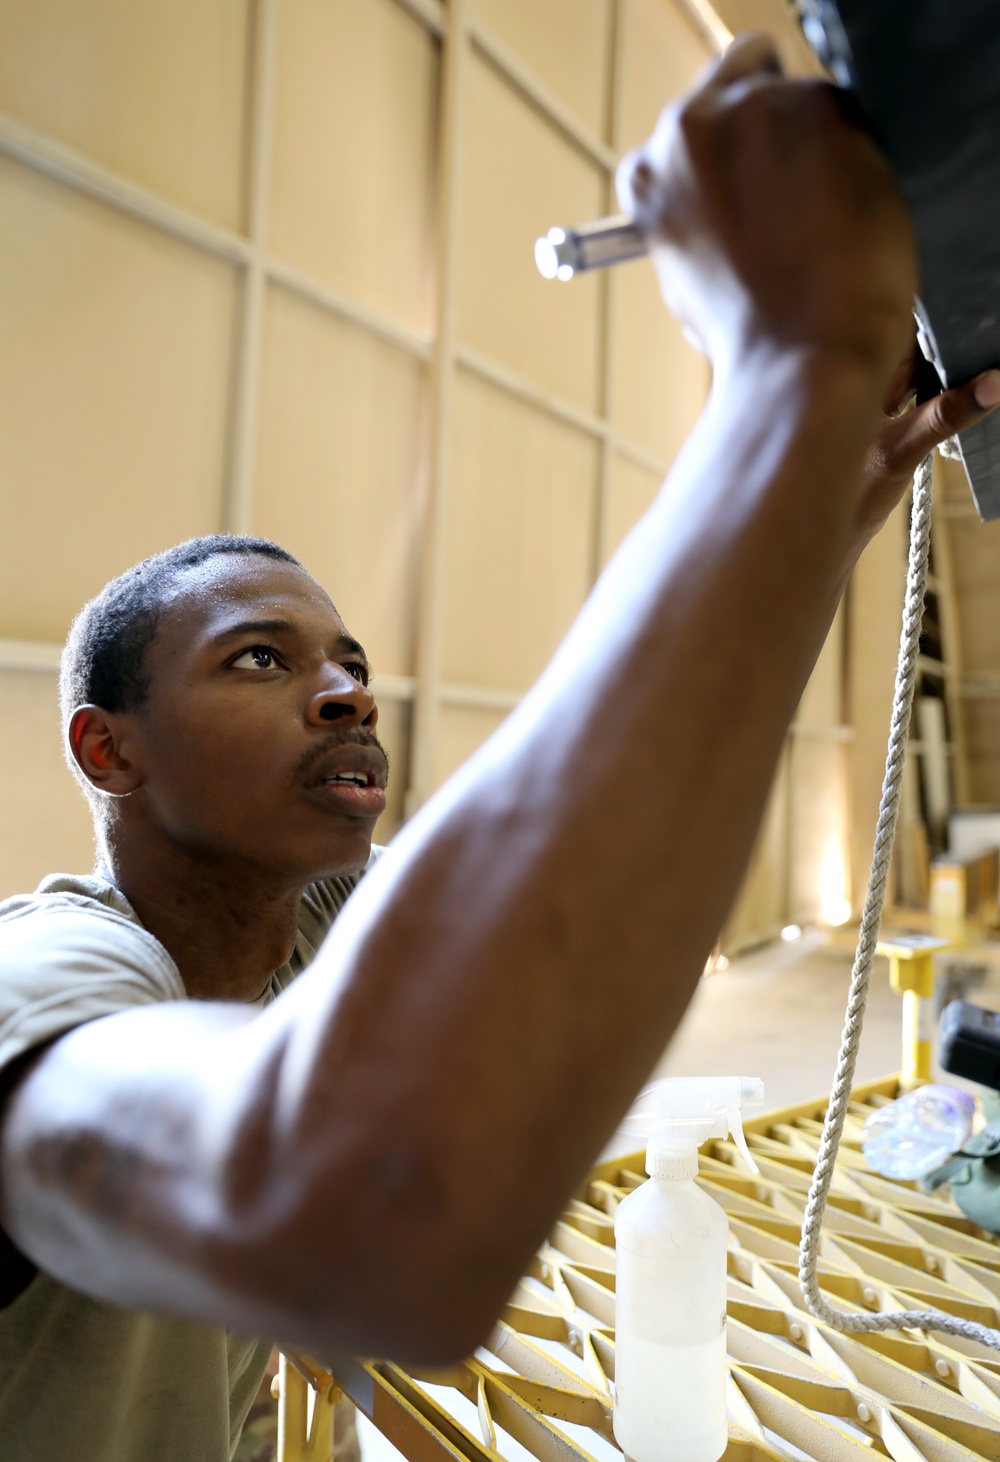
864 959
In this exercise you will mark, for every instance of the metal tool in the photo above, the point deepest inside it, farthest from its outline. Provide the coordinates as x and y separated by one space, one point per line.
564 252
926 78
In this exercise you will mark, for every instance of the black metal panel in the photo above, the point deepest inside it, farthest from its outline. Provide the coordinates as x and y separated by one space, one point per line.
927 73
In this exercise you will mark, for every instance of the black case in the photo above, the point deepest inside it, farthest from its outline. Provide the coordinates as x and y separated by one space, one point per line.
969 1043
927 75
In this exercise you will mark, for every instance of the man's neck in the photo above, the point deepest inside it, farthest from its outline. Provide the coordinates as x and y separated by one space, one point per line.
227 927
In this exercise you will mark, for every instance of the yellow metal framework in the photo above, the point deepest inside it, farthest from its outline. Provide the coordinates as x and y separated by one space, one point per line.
911 974
541 1385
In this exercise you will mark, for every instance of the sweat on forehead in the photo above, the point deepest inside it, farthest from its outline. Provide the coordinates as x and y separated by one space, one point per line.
239 580
103 662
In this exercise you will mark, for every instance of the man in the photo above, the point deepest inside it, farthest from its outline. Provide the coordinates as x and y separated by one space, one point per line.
278 779
352 1166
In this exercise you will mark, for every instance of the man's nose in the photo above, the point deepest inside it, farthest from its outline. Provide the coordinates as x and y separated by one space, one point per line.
340 697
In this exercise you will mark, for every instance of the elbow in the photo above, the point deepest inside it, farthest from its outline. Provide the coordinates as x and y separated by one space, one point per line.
407 1302
371 1250
400 1295
429 1287
439 1320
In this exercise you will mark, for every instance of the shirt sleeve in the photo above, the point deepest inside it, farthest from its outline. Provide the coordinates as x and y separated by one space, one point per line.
65 961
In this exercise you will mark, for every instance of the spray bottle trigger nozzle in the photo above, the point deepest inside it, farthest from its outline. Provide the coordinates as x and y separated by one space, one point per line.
736 1132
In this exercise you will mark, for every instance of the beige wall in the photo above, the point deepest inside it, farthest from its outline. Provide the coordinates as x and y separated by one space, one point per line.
968 553
233 245
267 266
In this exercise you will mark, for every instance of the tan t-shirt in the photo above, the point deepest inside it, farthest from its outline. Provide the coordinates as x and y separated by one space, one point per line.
80 1379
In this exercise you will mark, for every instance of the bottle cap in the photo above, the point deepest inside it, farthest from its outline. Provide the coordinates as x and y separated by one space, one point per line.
662 1163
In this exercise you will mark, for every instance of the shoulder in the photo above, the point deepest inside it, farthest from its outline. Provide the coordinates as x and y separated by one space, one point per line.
70 952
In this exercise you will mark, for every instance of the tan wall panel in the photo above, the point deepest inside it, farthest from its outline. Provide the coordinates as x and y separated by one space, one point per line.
631 491
518 177
660 382
46 823
950 482
338 468
975 559
562 42
518 538
975 550
353 160
114 397
394 728
155 89
982 731
819 874
461 731
662 55
759 911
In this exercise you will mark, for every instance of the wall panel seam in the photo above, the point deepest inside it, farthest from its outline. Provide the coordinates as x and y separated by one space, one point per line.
240 487
430 13
296 281
72 169
65 165
43 656
29 655
822 730
485 697
540 397
430 628
609 296
538 96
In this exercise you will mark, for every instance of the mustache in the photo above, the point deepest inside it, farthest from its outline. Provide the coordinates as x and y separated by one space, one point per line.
356 737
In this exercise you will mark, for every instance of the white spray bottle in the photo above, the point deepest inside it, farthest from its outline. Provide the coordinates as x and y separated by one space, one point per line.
670 1289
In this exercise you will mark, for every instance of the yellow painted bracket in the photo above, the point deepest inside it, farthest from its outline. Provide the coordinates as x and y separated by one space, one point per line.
911 974
305 1421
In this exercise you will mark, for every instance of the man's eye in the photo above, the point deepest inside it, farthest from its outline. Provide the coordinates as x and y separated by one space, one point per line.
258 657
359 671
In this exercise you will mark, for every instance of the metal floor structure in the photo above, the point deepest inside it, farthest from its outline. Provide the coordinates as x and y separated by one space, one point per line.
541 1386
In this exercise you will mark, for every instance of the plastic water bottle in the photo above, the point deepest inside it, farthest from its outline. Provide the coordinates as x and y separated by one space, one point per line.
670 1289
916 1134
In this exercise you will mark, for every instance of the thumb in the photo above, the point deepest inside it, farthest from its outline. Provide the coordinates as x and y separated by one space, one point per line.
927 426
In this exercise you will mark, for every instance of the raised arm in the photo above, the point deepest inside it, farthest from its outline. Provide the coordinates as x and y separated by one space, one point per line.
369 1164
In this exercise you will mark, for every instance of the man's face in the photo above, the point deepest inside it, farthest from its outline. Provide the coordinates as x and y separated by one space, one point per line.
256 743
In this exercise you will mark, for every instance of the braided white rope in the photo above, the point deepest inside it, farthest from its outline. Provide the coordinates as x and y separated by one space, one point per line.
871 919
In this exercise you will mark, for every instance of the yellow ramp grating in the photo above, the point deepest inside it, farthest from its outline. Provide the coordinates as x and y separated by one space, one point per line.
540 1386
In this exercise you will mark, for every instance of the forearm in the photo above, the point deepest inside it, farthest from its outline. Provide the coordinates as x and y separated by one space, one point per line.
518 972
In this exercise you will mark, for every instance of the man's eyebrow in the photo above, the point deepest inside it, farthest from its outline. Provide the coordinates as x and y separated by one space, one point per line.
351 646
254 627
346 643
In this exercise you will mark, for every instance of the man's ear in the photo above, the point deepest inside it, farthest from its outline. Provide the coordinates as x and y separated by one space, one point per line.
97 746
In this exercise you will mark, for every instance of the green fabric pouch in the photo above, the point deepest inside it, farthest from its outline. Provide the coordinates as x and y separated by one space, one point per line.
974 1175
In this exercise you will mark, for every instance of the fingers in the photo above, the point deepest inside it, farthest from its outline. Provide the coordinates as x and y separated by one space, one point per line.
901 384
633 181
986 390
900 390
915 434
749 55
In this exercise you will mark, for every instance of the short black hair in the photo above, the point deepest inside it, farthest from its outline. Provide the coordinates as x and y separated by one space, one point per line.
104 659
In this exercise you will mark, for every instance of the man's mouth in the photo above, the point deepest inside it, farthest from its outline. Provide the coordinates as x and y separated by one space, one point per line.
350 779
